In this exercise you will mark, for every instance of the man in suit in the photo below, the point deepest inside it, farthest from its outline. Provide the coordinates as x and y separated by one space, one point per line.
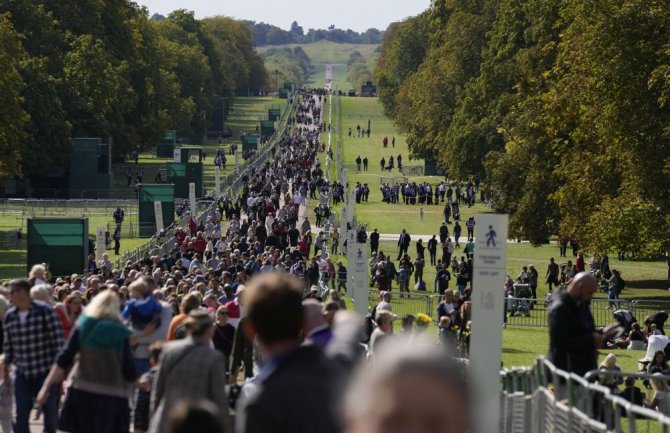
403 243
275 319
190 370
374 242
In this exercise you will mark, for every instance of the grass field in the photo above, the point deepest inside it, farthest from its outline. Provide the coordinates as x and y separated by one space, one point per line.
244 116
645 280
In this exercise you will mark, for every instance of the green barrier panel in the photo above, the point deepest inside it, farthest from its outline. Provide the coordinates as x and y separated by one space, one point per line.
61 243
149 194
274 114
249 142
176 175
267 128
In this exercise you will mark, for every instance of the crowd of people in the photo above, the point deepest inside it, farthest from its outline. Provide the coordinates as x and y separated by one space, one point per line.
236 320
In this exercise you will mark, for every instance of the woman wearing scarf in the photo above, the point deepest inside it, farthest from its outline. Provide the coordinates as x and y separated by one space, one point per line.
103 373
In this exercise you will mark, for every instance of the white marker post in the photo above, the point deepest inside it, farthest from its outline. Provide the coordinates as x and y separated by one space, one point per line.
100 244
177 154
217 182
487 318
191 196
158 213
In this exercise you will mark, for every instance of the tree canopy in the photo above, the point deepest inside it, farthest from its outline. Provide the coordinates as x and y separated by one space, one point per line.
561 107
105 69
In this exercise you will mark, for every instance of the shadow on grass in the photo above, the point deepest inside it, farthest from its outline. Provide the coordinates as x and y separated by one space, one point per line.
647 284
512 350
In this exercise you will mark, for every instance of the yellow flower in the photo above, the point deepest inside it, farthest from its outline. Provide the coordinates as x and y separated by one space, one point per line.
423 320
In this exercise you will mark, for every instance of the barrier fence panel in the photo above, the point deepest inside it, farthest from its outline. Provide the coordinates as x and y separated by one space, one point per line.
546 399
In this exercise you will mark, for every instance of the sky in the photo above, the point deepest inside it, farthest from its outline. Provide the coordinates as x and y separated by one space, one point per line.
358 15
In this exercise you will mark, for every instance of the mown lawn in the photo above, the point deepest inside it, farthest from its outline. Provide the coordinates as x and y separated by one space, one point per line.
645 280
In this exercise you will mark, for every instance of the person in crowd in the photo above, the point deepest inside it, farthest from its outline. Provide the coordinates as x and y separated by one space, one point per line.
632 393
143 309
33 336
658 364
552 274
146 382
403 243
316 328
97 400
274 314
374 241
157 331
224 333
610 373
189 302
176 381
384 329
424 392
661 399
573 341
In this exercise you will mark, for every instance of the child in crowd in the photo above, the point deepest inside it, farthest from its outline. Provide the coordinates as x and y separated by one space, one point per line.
146 381
143 309
445 333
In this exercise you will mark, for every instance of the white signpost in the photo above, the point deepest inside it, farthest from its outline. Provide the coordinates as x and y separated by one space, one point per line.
191 196
489 273
357 259
158 213
100 245
217 182
177 154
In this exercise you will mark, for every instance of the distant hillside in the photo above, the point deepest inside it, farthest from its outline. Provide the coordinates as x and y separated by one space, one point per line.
320 54
324 52
268 34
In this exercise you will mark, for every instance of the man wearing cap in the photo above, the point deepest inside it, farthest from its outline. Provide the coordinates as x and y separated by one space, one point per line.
190 370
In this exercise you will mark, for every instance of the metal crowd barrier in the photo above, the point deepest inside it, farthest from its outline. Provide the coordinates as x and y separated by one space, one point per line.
546 399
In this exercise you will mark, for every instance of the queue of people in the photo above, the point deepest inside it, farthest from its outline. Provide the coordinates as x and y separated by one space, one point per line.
236 298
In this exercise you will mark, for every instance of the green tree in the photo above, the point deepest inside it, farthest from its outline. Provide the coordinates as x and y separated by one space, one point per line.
12 116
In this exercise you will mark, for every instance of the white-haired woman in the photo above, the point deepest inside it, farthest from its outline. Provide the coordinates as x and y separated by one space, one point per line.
38 275
611 376
103 373
661 399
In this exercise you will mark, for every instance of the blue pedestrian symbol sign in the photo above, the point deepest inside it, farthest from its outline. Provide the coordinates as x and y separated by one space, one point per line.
491 237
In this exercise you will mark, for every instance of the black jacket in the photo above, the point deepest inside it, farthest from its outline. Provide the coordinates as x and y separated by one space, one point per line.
571 329
374 238
297 397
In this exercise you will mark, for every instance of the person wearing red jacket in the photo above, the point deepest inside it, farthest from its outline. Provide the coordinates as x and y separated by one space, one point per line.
200 243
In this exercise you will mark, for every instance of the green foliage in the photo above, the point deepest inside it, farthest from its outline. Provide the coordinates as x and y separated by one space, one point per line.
358 71
562 107
404 48
268 34
12 116
104 69
291 64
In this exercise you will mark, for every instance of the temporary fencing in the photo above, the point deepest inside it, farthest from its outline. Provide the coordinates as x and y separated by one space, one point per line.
546 399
